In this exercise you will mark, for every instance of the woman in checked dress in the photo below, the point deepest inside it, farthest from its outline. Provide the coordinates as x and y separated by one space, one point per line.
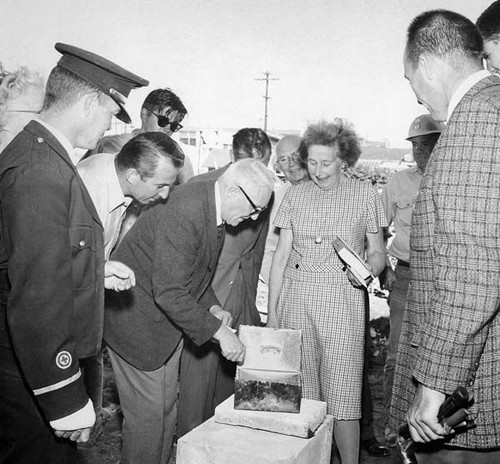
309 289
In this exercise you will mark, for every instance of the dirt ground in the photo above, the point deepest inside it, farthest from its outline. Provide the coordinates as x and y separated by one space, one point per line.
109 442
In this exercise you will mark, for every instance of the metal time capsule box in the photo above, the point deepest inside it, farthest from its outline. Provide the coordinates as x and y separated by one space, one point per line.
269 379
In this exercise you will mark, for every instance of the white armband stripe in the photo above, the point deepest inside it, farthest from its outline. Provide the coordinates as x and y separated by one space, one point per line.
58 385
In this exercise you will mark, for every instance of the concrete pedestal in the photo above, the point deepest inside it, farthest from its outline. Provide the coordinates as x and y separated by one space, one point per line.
214 443
303 424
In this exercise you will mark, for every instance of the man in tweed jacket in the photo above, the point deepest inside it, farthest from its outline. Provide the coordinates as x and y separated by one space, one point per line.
451 331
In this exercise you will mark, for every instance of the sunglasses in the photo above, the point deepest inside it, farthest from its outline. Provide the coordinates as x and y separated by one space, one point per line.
163 121
256 209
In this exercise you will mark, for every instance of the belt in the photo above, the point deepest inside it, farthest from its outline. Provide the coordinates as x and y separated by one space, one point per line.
403 263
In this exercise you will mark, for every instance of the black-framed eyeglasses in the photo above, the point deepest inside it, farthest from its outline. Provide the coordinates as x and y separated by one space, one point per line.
163 121
256 209
293 156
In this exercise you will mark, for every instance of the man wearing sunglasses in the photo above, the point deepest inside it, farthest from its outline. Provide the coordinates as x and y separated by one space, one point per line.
162 111
207 378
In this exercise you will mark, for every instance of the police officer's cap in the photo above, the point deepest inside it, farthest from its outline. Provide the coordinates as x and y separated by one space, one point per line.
101 73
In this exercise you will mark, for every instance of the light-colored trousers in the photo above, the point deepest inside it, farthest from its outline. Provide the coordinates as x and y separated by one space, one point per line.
149 405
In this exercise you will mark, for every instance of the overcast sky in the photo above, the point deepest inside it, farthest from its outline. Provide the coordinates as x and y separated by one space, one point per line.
332 57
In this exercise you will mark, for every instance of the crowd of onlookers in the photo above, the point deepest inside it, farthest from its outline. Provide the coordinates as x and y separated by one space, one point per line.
125 248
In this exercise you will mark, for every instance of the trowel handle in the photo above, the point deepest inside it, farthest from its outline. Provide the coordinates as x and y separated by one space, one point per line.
457 400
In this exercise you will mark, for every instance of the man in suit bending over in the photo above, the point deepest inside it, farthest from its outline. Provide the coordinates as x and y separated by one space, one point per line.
207 378
173 250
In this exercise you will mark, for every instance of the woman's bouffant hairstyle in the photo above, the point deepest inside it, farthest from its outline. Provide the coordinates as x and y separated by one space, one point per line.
22 85
339 133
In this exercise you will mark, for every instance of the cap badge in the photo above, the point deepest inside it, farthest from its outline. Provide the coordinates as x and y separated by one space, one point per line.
118 96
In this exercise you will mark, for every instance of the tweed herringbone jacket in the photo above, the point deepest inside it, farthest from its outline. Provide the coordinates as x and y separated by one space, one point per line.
451 331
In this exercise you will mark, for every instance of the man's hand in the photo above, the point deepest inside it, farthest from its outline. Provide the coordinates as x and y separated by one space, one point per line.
118 276
80 435
224 316
423 413
387 279
230 345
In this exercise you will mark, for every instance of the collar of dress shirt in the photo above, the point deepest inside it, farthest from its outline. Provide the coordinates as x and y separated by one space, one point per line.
117 198
62 139
463 88
218 207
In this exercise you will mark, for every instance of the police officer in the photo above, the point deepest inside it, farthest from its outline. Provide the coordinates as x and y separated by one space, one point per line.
52 262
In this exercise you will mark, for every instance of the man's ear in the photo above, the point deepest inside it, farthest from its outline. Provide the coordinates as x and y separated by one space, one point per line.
132 176
428 65
233 189
144 114
90 103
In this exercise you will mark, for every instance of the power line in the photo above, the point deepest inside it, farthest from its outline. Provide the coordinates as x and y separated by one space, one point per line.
266 96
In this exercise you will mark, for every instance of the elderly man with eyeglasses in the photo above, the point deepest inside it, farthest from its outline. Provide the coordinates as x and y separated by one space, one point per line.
207 378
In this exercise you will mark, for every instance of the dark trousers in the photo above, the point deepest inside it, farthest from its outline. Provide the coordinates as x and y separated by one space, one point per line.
366 424
25 436
206 380
206 377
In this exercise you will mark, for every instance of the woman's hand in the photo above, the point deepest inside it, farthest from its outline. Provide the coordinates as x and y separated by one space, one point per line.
272 321
353 280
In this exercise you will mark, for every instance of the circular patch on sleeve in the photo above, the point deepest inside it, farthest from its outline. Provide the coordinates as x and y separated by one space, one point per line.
63 360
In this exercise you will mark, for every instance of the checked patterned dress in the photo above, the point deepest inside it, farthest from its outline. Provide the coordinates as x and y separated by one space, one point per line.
317 296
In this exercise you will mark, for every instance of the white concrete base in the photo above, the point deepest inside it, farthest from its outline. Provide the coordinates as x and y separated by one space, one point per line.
304 424
213 443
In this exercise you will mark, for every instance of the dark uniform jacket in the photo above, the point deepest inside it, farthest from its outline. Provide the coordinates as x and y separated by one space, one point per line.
173 249
52 260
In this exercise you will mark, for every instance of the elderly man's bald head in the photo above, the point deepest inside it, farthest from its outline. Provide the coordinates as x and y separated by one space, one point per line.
288 160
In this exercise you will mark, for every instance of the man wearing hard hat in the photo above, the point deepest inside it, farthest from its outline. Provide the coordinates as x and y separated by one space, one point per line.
399 196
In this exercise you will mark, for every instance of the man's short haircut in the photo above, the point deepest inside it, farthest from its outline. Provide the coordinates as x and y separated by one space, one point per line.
489 22
251 143
159 99
249 172
65 88
339 133
444 34
143 152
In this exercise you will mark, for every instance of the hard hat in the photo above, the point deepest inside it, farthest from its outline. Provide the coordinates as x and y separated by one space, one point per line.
424 125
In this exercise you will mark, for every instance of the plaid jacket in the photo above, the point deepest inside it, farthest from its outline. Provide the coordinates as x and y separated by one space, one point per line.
451 332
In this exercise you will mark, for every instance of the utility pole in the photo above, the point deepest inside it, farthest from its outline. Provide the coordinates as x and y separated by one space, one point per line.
266 96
